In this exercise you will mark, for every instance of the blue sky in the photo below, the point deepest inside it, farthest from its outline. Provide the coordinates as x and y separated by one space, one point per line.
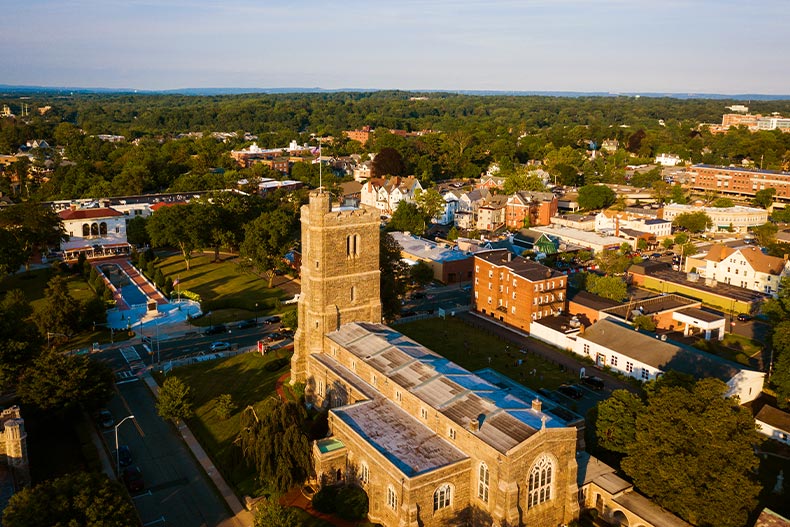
685 46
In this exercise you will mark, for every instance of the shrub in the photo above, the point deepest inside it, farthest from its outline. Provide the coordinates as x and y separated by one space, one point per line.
352 503
325 500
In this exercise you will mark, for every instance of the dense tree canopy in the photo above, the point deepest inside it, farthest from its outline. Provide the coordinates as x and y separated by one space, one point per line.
35 227
267 239
593 197
692 221
175 400
79 499
394 273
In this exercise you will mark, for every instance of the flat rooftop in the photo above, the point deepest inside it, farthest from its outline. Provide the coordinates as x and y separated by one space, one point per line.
428 250
577 235
651 306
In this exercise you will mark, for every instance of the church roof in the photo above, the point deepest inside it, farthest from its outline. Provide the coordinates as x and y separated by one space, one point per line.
501 420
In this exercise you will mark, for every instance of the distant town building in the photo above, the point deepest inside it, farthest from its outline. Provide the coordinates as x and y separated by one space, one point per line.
737 218
748 268
527 208
668 160
95 232
450 265
385 194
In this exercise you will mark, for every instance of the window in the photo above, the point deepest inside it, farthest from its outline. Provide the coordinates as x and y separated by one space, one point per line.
373 380
86 230
477 268
441 498
613 360
513 310
587 349
354 365
117 229
392 498
490 273
424 413
451 433
645 374
353 293
320 388
629 366
352 245
364 473
482 482
398 396
514 295
540 482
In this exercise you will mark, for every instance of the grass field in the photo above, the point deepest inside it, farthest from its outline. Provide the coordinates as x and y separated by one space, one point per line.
228 292
473 349
250 379
734 347
33 285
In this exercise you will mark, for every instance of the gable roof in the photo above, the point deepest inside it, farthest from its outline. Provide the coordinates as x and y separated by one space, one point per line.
88 214
645 348
774 417
719 252
761 262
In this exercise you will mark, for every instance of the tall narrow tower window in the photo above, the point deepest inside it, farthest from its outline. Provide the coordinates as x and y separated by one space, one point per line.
353 245
353 293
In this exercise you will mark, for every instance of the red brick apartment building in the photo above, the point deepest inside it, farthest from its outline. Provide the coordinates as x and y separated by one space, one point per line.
515 290
539 207
738 181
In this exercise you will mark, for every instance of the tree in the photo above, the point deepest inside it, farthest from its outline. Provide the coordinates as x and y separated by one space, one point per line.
12 256
421 273
136 232
660 190
276 445
641 244
676 195
407 218
778 309
269 513
452 234
693 221
175 401
668 243
429 202
19 338
610 287
780 378
267 239
615 424
80 498
681 238
644 322
393 276
764 198
722 203
224 406
765 234
596 197
177 226
522 180
693 453
388 162
55 380
60 312
35 226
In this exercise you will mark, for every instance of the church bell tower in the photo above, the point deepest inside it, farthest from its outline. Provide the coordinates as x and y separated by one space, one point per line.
340 275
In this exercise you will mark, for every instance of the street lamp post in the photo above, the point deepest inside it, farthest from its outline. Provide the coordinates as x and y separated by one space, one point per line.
117 455
256 314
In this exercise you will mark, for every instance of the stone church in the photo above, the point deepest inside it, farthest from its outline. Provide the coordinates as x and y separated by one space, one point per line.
431 443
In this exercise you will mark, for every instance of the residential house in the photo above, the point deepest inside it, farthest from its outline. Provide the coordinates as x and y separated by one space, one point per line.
580 222
491 213
451 200
516 290
384 194
527 208
772 422
613 221
490 182
668 160
748 267
610 145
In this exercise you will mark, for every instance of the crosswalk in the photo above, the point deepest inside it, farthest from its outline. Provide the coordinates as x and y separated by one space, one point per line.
135 363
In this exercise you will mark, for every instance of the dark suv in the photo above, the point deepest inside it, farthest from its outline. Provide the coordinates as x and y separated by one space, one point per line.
574 392
215 330
596 383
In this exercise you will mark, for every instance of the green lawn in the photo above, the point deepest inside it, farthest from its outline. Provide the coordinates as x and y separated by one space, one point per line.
250 379
734 348
225 290
474 349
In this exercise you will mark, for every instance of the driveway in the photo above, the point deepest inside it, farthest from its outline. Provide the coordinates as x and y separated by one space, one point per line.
177 491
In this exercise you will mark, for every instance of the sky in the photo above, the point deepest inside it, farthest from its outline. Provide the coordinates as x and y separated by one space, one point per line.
666 46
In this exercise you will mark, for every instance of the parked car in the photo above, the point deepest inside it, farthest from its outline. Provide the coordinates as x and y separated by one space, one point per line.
655 256
274 319
215 330
273 337
574 392
124 455
246 324
133 479
219 346
744 317
596 383
106 419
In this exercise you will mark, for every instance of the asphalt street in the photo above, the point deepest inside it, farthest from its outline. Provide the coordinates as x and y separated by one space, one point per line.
177 492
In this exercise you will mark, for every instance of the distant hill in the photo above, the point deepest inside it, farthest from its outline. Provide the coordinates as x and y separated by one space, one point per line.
7 89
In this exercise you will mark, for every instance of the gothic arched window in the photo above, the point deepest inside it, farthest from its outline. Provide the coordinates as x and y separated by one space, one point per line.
442 496
540 481
482 482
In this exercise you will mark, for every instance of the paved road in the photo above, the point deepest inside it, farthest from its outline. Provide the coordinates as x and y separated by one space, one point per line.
177 491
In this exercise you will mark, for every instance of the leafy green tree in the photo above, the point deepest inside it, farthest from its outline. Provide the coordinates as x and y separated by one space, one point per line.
693 221
175 400
11 255
35 226
429 202
660 190
523 180
722 203
421 273
55 380
80 498
644 322
224 405
452 234
136 232
611 287
407 218
388 162
641 244
668 243
596 197
693 453
393 276
267 239
780 340
19 338
60 312
681 238
177 226
615 425
765 234
269 513
778 308
764 198
613 262
676 195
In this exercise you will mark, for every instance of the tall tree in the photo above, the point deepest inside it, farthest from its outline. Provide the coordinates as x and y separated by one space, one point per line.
393 276
177 226
523 180
35 226
19 338
429 202
136 232
764 198
596 197
175 400
81 498
12 256
61 312
267 239
388 162
765 234
693 453
615 424
407 218
611 287
693 221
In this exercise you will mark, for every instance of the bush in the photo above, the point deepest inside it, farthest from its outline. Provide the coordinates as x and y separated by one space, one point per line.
325 500
352 503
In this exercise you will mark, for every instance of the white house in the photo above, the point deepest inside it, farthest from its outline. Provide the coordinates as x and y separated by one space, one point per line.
773 423
745 267
447 215
96 232
644 356
613 221
385 194
668 160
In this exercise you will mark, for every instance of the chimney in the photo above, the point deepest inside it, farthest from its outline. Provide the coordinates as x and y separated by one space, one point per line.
73 206
536 404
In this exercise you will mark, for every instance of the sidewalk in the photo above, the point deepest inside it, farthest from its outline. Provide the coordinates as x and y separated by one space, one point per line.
242 517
